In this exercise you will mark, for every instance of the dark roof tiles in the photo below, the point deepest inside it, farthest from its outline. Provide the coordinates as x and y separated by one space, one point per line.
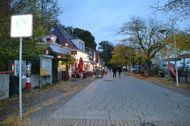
63 37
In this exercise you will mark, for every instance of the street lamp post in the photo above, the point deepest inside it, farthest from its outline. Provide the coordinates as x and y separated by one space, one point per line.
130 64
175 51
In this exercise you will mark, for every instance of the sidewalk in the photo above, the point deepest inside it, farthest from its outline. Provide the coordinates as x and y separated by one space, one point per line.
184 89
37 99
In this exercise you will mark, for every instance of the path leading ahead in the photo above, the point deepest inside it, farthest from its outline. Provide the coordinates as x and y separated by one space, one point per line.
119 102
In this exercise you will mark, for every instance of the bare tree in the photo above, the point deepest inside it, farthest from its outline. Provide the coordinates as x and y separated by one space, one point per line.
182 7
144 35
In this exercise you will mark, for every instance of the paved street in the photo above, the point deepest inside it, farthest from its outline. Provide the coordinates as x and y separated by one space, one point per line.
124 101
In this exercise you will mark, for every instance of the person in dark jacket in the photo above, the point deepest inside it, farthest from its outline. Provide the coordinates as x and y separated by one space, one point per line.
119 70
114 70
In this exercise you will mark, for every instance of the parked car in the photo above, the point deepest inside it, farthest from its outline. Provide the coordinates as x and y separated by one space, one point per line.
124 68
134 70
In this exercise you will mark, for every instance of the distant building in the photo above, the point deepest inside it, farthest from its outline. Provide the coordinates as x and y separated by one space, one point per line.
77 47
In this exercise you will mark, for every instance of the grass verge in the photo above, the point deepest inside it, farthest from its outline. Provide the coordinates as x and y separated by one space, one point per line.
14 120
160 80
8 105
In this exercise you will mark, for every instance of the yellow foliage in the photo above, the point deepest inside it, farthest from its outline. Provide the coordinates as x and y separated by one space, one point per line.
182 41
120 55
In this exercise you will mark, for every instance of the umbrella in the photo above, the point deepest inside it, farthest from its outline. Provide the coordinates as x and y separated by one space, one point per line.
80 65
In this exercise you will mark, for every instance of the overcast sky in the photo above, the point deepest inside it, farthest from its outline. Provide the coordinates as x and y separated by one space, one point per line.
103 17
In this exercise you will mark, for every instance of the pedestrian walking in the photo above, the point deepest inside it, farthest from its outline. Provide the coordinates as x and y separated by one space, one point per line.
119 71
75 73
102 72
114 70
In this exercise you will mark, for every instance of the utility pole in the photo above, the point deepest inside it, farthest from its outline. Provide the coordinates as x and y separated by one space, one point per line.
175 50
175 53
130 63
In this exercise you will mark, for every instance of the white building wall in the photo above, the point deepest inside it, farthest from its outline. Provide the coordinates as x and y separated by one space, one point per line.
91 67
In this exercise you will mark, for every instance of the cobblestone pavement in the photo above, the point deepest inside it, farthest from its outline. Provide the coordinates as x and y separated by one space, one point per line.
124 101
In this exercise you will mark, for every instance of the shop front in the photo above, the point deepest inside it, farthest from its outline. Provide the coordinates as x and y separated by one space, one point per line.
88 65
65 63
61 63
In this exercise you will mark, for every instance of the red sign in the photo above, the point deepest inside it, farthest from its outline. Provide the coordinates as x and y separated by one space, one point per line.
171 68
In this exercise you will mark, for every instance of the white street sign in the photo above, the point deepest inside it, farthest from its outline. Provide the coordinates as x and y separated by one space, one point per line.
21 26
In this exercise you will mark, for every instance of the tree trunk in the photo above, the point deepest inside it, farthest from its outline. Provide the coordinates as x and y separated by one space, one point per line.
147 66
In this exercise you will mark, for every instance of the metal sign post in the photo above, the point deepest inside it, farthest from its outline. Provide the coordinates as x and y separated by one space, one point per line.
21 26
20 78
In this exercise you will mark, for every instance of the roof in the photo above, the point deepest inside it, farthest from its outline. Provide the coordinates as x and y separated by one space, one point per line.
63 37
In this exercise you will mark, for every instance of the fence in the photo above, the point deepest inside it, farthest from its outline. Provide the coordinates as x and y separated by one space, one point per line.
4 86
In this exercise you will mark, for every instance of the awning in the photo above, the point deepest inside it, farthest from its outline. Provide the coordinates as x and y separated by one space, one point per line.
59 49
184 56
93 62
89 61
172 59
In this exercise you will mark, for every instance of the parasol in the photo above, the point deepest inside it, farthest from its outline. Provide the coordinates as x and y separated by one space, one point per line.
80 65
